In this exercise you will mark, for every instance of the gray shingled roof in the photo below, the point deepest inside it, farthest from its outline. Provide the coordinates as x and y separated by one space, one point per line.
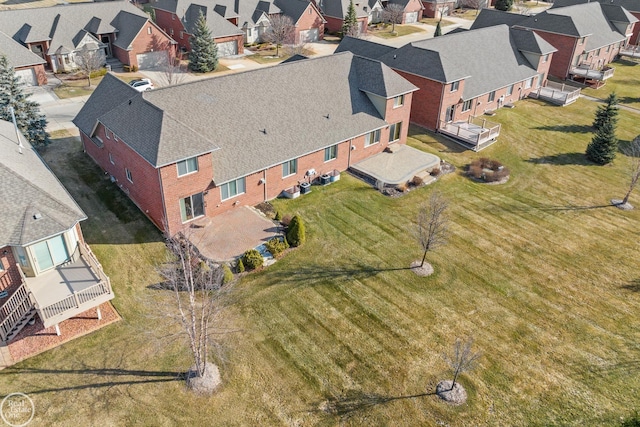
578 21
303 106
217 24
617 13
491 17
16 54
65 25
338 8
363 47
32 189
630 5
529 41
247 11
487 58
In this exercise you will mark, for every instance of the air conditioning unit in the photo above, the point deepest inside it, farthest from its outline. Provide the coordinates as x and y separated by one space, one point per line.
311 172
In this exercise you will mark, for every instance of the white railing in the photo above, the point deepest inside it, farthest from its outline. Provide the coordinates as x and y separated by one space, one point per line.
558 93
474 131
95 265
75 301
13 311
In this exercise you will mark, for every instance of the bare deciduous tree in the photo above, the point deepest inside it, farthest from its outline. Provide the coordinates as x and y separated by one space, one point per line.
633 151
89 60
281 31
393 14
172 72
297 49
433 226
461 359
198 292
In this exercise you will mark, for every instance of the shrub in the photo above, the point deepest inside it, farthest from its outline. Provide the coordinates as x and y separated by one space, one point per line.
240 266
252 259
98 73
276 246
295 232
134 68
417 181
227 275
278 216
402 187
286 220
487 170
435 171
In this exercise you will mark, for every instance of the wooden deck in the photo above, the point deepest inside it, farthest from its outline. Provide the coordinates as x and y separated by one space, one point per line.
557 93
474 133
592 74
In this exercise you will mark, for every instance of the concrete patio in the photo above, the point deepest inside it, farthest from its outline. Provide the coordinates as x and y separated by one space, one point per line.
228 235
397 167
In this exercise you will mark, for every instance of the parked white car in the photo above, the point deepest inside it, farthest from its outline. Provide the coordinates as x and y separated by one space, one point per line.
141 85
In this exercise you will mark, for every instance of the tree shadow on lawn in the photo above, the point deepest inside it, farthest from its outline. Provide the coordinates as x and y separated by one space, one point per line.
351 402
318 273
632 286
140 377
567 128
562 159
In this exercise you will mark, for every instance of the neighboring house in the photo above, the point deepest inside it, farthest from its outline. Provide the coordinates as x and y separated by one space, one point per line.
57 33
462 76
181 23
412 10
438 8
334 11
28 66
251 17
588 36
632 6
186 152
46 268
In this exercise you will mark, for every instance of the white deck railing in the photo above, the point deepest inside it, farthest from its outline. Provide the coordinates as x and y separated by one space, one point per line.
474 131
14 310
83 299
558 93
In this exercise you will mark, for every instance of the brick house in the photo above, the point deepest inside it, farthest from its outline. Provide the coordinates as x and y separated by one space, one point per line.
46 268
412 10
250 18
437 8
464 75
587 36
116 28
28 66
185 152
334 11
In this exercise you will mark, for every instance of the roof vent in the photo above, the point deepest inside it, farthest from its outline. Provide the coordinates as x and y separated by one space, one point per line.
327 116
264 131
37 215
129 102
394 57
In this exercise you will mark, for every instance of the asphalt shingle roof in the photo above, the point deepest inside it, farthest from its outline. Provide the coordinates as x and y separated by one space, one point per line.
529 41
491 17
339 8
363 47
32 189
248 11
16 54
297 108
217 24
630 5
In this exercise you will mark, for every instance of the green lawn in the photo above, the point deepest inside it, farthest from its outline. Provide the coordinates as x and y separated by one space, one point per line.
73 88
401 30
539 271
624 82
434 22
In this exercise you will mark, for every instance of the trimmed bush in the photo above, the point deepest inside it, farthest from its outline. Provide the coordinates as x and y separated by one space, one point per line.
276 246
227 275
487 170
252 259
295 232
98 73
278 217
240 266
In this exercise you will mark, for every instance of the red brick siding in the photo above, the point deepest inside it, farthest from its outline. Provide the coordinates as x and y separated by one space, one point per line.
635 38
603 57
145 189
427 101
239 39
310 19
143 43
41 76
431 9
335 24
9 275
412 6
563 58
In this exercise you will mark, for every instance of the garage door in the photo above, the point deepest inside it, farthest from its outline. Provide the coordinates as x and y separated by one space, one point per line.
27 76
309 36
412 17
151 59
227 48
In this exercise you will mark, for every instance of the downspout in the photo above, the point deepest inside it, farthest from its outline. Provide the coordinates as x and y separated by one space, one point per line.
164 205
571 59
264 177
349 155
440 109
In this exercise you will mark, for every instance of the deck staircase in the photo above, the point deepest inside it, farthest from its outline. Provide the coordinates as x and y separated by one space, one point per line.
16 313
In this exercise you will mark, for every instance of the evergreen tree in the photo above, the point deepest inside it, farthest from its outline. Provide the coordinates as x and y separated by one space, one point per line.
504 5
28 117
438 32
204 51
296 235
350 23
604 145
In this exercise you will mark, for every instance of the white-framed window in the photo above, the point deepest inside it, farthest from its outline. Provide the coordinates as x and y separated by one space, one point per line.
173 16
149 29
545 58
192 207
455 86
608 48
398 101
492 96
181 35
99 139
528 83
598 52
290 168
394 131
248 32
466 106
232 188
372 138
129 177
581 41
106 133
331 153
187 166
171 31
1 265
113 162
510 90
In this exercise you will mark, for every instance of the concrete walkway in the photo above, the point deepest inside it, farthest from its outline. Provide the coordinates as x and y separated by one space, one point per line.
5 356
602 101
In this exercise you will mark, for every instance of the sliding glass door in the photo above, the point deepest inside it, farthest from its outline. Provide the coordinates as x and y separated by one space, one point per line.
50 253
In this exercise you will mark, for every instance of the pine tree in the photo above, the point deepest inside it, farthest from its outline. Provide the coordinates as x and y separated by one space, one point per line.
28 117
350 23
504 5
204 51
604 145
438 32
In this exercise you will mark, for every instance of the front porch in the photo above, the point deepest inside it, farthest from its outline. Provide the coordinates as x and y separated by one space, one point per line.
474 133
557 93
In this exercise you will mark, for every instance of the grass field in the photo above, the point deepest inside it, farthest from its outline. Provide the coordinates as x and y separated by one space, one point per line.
400 30
540 271
624 83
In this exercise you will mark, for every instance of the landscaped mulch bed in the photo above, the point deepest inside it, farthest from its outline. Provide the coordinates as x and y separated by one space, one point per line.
35 339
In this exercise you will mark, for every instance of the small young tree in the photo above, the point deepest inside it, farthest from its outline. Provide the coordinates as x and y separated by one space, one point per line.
89 60
204 51
296 235
633 151
197 290
438 32
461 359
28 117
281 31
171 70
504 5
350 23
393 14
432 228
